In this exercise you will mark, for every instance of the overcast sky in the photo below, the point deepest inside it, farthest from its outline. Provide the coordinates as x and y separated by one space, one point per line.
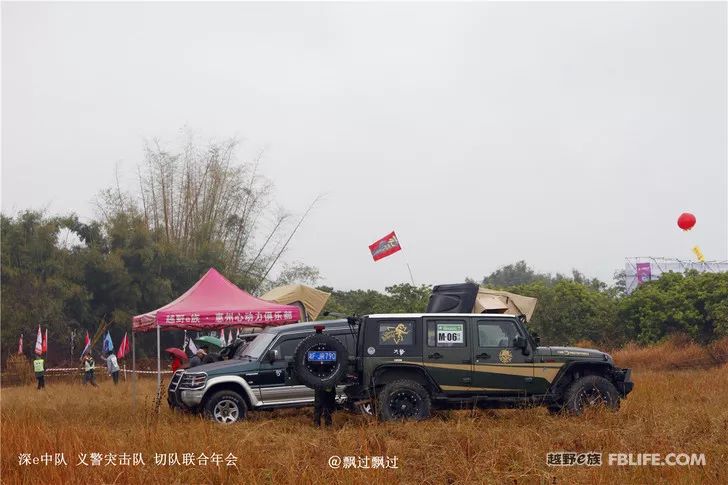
569 135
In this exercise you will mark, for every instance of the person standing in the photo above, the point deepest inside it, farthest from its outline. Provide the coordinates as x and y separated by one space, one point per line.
112 365
39 368
324 405
88 366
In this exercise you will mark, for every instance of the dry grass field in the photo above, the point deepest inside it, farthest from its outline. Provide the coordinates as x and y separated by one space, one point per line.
669 411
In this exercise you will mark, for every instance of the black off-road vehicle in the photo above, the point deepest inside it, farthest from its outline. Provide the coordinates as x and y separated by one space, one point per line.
406 364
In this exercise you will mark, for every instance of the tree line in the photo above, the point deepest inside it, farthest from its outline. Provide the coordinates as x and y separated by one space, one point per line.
123 267
574 308
199 206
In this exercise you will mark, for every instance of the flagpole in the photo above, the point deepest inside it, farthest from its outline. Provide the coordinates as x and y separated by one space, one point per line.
133 370
159 366
412 279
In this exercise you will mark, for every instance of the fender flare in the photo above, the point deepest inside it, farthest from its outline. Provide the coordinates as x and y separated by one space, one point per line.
576 364
249 395
405 368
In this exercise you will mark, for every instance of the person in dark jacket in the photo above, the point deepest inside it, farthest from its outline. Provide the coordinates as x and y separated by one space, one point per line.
197 358
324 405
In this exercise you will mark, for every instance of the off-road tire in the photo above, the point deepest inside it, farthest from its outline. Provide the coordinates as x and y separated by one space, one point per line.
403 399
589 391
320 376
226 407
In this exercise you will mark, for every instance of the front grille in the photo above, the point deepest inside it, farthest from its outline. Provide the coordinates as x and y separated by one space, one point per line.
194 380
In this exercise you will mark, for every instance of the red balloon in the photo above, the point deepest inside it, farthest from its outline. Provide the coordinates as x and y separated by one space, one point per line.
686 221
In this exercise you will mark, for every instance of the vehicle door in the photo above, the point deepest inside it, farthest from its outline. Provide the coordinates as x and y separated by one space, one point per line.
446 355
276 382
498 366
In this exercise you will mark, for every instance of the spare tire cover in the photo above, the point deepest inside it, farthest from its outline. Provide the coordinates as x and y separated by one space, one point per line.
320 374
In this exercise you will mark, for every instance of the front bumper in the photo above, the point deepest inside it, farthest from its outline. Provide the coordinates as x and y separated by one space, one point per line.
623 381
191 397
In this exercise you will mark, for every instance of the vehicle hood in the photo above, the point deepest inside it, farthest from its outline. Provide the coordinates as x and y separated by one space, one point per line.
231 366
574 353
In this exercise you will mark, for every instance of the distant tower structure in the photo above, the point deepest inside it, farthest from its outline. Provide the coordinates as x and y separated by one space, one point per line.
640 269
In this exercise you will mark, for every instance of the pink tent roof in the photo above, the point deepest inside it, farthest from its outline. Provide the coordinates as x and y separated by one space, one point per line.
214 303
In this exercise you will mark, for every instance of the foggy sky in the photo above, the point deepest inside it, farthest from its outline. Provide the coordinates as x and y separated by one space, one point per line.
569 135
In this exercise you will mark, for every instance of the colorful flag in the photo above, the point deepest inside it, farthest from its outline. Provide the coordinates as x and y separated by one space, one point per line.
108 343
45 341
123 347
389 244
39 342
20 344
86 344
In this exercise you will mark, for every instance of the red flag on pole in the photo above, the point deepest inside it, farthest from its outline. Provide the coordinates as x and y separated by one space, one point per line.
389 244
20 344
39 342
45 341
123 347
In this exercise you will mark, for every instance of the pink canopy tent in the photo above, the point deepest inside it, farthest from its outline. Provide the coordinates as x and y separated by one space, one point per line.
214 303
211 304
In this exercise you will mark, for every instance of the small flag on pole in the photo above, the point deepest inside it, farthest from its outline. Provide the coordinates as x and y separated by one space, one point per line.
45 341
382 248
123 347
20 344
39 342
108 343
86 344
191 345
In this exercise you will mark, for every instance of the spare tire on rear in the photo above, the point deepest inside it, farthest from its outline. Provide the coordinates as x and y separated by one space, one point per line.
320 361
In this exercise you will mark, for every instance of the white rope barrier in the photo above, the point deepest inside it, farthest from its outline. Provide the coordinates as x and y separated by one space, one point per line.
77 369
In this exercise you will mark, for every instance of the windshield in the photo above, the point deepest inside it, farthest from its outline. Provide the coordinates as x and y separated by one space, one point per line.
257 346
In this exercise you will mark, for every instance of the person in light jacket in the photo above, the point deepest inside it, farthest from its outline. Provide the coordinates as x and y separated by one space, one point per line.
88 370
112 365
39 368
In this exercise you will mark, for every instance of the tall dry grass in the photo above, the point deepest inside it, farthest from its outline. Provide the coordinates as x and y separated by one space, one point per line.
669 411
678 352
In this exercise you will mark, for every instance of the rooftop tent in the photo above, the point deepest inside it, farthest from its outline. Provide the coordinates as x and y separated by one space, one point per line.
212 303
470 298
311 299
497 301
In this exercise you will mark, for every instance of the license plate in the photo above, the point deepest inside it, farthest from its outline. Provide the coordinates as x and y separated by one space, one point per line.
326 356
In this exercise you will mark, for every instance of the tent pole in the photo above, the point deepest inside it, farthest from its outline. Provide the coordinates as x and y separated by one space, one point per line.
159 367
133 371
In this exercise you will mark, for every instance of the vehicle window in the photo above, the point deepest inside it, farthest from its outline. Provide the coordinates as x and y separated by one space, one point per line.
348 340
288 346
496 334
257 346
396 333
446 333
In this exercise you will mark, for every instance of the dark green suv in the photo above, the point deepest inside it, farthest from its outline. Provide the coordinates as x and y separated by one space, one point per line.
406 364
256 377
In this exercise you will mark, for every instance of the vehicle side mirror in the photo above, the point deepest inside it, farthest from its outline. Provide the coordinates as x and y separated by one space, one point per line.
273 355
521 343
